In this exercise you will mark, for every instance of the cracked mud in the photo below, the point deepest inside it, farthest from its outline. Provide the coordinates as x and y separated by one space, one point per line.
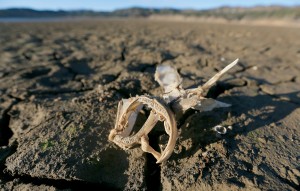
60 85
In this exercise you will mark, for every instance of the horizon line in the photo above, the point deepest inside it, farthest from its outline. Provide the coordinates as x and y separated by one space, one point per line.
159 8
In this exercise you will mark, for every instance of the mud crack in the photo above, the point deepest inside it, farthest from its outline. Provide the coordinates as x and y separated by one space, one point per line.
59 184
6 176
152 171
56 92
5 132
278 97
267 168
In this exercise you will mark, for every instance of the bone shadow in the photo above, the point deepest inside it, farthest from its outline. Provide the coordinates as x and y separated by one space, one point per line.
244 110
271 112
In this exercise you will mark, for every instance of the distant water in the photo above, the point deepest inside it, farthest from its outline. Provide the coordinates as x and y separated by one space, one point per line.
30 20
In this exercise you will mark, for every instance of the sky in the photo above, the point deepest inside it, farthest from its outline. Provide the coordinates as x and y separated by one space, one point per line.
110 5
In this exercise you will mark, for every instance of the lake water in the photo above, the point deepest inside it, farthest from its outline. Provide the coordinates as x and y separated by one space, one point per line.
30 20
21 20
54 19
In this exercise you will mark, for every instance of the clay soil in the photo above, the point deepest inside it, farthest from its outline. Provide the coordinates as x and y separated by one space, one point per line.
60 83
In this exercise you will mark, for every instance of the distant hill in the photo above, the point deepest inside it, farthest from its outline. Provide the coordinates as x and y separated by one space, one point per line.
229 13
30 13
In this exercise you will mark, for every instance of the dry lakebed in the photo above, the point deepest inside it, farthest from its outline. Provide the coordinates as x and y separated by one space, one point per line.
60 84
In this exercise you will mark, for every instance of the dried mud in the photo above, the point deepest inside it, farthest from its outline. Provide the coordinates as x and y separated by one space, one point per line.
60 83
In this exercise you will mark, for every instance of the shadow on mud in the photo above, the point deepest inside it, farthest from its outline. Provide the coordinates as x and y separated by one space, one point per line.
247 113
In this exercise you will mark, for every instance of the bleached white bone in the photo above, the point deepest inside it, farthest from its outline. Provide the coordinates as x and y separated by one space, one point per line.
177 101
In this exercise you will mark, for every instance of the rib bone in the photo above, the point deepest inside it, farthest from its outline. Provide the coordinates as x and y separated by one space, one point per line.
128 111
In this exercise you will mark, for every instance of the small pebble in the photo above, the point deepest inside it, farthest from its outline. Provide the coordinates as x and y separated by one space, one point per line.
220 129
32 98
57 99
100 89
74 100
254 68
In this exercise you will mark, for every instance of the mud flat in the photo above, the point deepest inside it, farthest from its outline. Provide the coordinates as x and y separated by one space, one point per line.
60 83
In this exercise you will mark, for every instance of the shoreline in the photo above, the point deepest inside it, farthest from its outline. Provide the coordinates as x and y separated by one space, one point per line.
256 22
171 18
